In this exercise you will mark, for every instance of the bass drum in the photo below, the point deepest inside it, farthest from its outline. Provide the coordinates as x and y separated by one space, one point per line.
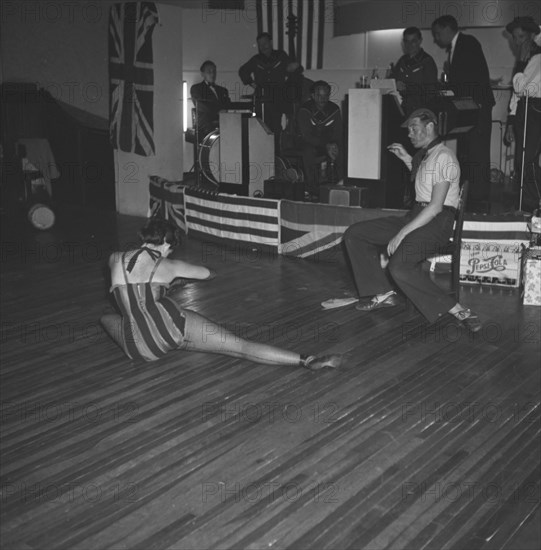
285 171
209 157
41 216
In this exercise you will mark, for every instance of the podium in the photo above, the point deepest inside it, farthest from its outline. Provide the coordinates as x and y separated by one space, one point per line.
374 120
246 154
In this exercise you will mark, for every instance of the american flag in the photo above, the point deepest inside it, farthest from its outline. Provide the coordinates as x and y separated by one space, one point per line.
132 76
232 219
167 200
275 17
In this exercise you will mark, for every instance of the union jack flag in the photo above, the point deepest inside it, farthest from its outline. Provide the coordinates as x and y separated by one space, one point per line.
167 200
308 230
132 76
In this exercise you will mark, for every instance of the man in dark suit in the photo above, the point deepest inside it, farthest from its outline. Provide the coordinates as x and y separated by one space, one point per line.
468 76
209 99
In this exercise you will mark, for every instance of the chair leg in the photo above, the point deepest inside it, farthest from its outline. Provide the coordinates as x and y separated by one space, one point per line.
455 276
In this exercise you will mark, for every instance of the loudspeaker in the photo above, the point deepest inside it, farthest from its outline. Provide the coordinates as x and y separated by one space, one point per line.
343 195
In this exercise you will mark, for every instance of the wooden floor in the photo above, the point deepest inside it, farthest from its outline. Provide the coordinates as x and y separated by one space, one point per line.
424 439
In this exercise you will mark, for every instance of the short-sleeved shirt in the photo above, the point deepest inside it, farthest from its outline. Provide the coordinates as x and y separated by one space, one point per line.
439 165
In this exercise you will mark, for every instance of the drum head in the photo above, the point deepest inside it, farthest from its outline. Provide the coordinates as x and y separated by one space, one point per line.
209 156
41 217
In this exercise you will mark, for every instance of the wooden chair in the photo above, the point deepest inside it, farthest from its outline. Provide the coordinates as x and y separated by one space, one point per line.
454 247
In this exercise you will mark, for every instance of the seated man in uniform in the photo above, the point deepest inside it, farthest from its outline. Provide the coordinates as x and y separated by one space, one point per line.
319 124
209 99
412 238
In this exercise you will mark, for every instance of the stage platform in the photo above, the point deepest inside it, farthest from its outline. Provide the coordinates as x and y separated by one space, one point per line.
491 250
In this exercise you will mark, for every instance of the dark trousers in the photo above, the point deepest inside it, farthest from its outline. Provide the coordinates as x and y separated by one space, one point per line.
364 240
532 172
473 152
271 113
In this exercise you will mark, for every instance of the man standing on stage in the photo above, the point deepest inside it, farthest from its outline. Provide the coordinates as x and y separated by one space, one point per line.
415 72
266 73
209 99
468 76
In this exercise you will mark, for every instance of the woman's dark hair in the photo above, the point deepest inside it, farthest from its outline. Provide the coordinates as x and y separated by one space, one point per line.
158 231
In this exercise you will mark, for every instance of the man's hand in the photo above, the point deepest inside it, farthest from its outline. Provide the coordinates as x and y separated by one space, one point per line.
293 66
332 151
400 86
399 150
509 135
394 243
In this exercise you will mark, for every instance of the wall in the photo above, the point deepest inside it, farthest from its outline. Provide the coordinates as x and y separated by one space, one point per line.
62 46
133 170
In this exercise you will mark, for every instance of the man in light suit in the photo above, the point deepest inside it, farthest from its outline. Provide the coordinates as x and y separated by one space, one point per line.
209 99
468 76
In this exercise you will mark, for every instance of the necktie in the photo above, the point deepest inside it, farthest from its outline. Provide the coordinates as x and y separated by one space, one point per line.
154 254
211 86
419 156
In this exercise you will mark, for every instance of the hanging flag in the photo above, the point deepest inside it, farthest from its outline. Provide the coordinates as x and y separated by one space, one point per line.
132 76
296 26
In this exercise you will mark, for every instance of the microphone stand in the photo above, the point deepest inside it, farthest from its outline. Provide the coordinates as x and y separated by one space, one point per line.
523 152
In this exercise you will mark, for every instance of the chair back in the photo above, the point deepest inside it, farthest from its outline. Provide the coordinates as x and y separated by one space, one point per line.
459 217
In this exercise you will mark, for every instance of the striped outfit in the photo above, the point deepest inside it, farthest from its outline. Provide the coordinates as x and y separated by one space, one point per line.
152 323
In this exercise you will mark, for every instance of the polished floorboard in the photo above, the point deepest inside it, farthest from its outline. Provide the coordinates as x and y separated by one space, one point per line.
427 438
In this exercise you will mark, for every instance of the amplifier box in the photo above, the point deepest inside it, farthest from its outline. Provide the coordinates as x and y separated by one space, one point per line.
283 189
344 195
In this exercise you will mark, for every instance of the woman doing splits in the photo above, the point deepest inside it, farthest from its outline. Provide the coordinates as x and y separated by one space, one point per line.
151 324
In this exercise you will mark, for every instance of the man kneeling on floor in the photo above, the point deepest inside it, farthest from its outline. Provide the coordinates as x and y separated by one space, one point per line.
412 238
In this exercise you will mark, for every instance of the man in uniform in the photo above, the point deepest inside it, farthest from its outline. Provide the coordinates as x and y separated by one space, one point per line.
415 72
319 124
266 72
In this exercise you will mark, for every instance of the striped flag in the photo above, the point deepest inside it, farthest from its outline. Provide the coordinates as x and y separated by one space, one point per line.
167 200
232 218
308 229
132 77
275 16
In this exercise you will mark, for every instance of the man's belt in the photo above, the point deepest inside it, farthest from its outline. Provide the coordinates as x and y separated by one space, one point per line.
445 206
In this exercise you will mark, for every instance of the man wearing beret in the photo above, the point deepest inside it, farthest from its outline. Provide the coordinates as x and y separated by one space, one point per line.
412 238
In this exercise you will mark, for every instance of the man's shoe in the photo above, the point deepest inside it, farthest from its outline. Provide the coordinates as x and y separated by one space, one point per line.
469 319
338 302
372 304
